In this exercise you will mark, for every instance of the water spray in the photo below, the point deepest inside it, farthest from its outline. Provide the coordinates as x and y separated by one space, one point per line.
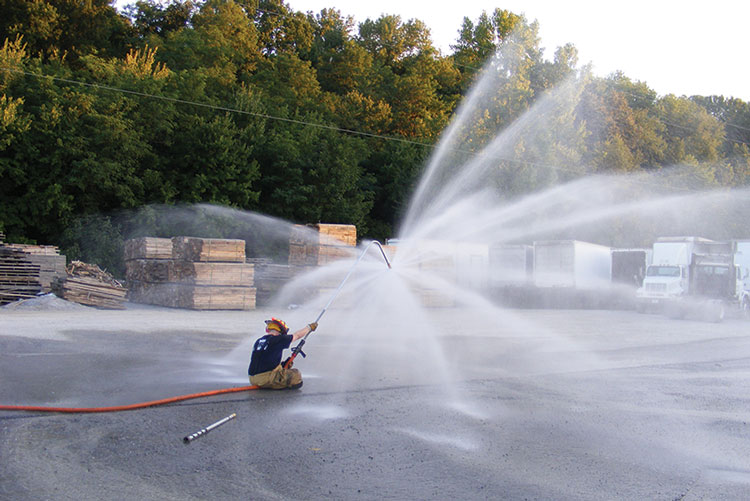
298 349
208 428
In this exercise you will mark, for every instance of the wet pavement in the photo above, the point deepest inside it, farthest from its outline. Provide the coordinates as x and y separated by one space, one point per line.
576 405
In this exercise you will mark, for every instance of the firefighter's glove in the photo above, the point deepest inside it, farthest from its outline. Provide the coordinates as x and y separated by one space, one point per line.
313 326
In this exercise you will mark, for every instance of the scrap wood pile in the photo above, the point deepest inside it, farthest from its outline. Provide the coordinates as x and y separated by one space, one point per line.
27 270
90 285
190 272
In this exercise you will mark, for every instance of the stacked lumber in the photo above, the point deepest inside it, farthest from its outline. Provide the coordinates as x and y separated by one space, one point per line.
19 277
321 244
90 285
208 249
190 272
27 270
49 260
148 248
270 277
443 266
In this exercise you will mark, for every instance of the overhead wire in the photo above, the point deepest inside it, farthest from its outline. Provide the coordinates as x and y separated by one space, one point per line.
556 168
332 127
292 15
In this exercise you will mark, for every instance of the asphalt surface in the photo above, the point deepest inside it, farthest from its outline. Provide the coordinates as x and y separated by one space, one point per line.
544 405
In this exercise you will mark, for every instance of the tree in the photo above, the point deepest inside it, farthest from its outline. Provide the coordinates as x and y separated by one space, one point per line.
68 27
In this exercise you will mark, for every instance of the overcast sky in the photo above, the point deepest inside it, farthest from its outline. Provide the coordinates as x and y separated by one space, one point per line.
676 47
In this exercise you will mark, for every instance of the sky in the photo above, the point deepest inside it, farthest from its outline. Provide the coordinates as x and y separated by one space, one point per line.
675 47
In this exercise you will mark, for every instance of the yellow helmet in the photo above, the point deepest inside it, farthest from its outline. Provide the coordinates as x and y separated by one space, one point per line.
277 325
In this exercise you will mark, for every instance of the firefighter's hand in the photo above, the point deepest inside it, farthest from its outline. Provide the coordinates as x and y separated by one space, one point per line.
313 326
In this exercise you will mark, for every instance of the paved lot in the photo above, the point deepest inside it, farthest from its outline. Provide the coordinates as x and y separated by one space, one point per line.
537 405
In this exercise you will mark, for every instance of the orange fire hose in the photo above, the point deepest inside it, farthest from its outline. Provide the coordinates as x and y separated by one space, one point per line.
130 407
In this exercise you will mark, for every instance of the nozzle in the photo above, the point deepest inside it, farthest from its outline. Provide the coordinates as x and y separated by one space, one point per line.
382 251
208 428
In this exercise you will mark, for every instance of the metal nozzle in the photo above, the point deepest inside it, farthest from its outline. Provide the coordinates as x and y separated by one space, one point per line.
208 428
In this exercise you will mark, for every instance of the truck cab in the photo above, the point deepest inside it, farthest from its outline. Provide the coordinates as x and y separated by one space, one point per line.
668 275
664 281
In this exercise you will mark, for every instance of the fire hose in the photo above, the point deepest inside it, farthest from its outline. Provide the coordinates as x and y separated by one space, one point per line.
116 408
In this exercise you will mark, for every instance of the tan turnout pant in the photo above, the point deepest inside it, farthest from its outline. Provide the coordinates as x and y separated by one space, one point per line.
277 379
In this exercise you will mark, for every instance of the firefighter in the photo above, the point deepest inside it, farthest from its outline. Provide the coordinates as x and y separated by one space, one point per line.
266 369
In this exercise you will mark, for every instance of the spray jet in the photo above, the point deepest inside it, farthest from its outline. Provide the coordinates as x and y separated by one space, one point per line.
297 350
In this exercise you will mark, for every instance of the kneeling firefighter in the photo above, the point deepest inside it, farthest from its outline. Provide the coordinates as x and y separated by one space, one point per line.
266 369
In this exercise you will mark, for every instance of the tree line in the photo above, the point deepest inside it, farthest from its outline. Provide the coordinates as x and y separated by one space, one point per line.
310 117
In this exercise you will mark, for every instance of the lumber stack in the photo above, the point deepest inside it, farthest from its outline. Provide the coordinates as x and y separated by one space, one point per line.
321 244
270 277
27 270
19 277
90 285
148 248
190 272
443 266
49 260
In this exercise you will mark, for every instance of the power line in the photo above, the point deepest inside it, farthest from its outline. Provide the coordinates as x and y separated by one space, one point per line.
219 108
283 119
293 14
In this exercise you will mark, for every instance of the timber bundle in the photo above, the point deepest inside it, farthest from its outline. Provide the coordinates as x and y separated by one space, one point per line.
320 245
270 277
190 272
90 285
27 270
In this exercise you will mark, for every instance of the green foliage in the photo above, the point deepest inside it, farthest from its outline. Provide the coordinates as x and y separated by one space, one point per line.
309 117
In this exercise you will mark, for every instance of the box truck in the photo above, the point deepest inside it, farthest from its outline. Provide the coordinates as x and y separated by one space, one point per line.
693 275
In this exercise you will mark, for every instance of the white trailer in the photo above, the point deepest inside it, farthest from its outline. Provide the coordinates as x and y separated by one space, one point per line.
511 265
572 264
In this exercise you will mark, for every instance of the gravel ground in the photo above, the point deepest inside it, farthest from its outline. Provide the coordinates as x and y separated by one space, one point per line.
542 405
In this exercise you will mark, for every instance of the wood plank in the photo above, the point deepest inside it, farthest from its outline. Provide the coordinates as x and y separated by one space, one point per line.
148 248
193 296
208 249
